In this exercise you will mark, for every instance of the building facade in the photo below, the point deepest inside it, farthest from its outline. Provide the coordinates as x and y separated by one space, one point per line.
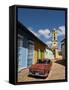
30 47
55 44
63 48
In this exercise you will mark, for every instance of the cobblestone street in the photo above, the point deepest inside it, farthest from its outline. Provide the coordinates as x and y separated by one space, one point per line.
57 72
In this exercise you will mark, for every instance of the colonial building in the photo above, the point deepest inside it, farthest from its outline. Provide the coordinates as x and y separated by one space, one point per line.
55 43
30 47
63 48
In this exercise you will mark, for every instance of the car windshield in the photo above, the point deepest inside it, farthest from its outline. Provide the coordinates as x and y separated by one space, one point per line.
43 61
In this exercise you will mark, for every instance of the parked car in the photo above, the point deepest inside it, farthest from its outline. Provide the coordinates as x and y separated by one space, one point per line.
41 68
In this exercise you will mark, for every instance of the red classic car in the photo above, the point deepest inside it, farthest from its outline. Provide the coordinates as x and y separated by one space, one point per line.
41 68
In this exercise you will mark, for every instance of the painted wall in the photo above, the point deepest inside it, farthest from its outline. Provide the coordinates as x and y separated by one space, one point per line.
37 46
49 54
63 51
22 58
22 52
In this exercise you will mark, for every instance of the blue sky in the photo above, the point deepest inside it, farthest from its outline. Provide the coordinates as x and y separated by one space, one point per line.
42 22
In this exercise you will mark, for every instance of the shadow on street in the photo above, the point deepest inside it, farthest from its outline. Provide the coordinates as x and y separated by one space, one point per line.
62 62
37 77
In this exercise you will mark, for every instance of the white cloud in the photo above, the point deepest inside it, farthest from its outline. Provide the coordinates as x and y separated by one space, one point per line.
61 30
49 43
44 32
31 30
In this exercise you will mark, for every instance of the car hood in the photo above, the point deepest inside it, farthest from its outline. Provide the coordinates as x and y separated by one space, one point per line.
38 66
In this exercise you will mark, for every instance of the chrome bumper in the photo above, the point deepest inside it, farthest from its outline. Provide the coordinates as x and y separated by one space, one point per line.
37 74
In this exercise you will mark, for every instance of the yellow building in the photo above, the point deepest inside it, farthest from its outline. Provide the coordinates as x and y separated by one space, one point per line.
39 49
55 43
